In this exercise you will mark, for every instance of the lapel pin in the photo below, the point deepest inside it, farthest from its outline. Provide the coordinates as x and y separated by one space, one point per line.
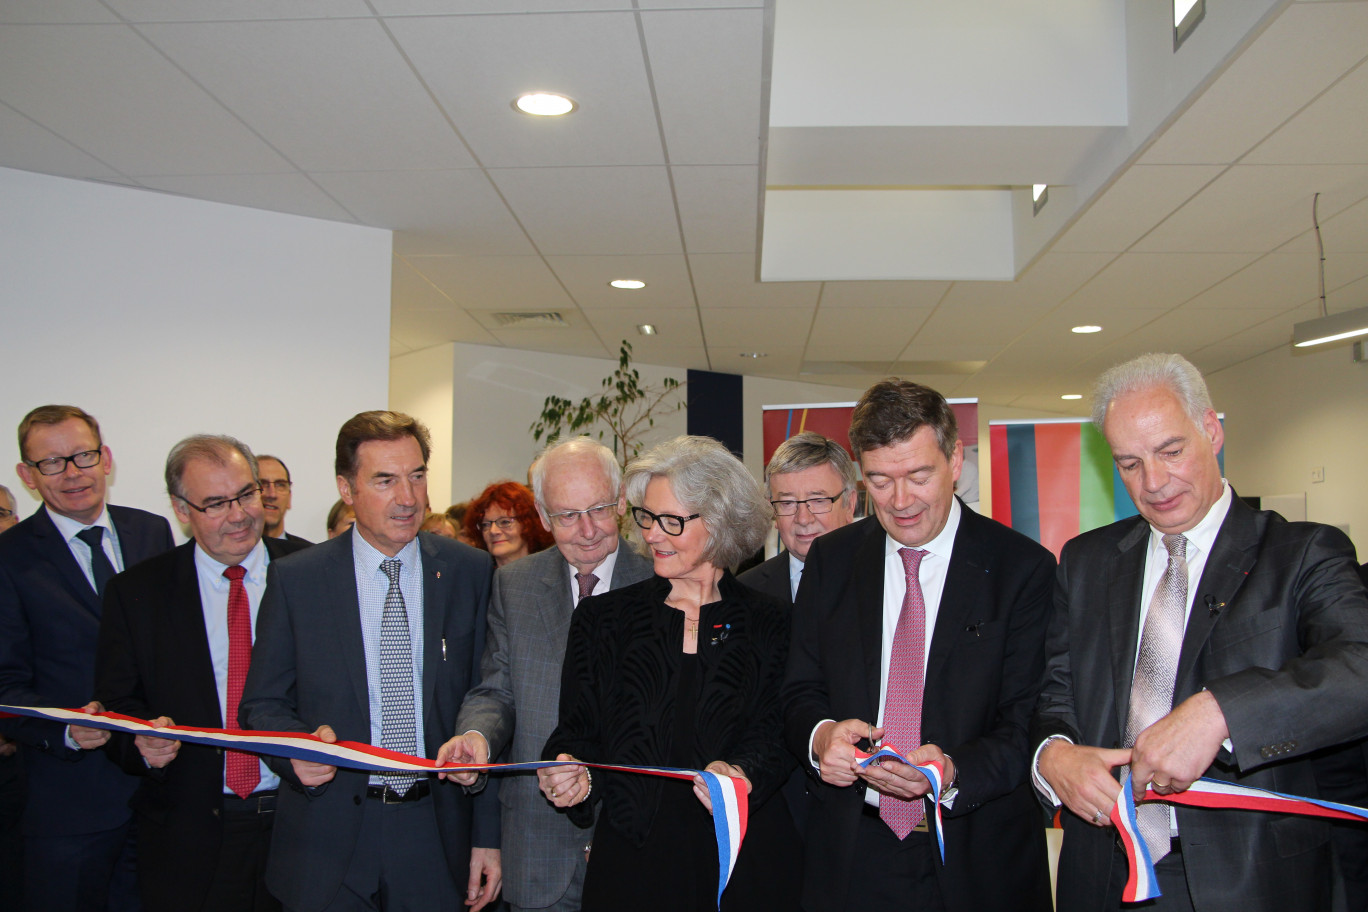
439 574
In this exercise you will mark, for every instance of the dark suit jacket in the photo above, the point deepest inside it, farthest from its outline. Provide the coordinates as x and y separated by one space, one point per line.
49 622
771 578
153 659
309 669
1279 634
515 708
982 678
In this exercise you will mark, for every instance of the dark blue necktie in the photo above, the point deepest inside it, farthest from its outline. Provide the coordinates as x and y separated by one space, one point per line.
102 569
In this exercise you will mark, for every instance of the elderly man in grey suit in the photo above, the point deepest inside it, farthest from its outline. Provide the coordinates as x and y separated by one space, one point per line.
578 487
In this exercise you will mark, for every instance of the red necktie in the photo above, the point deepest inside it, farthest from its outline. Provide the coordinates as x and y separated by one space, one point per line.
587 582
903 700
242 771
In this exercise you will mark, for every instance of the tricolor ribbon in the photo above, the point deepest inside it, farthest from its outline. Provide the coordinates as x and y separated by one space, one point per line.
728 795
934 771
1208 793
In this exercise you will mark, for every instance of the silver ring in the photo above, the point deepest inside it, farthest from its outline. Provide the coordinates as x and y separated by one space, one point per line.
1097 817
553 793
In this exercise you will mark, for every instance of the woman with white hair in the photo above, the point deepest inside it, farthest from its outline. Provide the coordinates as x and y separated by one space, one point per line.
682 670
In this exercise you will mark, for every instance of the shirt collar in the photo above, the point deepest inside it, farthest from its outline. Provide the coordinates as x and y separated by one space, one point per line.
69 527
604 570
795 565
368 558
941 545
254 564
1203 535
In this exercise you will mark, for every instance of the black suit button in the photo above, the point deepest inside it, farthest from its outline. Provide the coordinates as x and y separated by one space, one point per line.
215 812
356 799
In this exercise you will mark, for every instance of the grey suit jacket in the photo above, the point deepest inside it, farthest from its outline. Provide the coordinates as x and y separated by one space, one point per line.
309 669
1279 634
516 706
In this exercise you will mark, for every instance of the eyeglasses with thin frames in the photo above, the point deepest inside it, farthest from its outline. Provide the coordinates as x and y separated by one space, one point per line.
221 507
282 486
56 465
670 524
814 505
597 514
505 524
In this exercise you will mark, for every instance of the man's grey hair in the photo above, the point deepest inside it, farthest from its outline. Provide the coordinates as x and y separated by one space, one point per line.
575 446
708 480
1173 372
215 448
9 495
806 449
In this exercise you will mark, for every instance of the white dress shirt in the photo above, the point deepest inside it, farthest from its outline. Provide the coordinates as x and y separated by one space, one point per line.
604 572
68 528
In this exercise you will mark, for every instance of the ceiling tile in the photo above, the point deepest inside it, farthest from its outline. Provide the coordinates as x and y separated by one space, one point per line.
411 290
993 325
1347 231
477 65
1276 280
1331 130
221 10
593 211
728 280
718 207
769 328
459 7
587 278
674 328
582 342
293 193
1190 328
852 295
516 283
425 328
706 67
331 95
29 147
440 212
1150 280
1141 198
1049 280
104 90
54 12
777 362
844 334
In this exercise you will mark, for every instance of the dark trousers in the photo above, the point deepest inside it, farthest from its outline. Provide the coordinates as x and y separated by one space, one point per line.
1172 876
890 873
239 883
88 872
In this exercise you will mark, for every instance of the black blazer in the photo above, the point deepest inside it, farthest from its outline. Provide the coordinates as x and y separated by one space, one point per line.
1279 634
982 677
49 624
771 578
153 660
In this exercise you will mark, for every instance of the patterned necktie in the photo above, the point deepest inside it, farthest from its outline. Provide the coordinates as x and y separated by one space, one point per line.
398 723
101 568
241 771
1156 667
903 702
587 582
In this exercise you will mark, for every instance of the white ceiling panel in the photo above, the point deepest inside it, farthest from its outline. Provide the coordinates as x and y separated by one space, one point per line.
444 212
1153 281
728 280
410 290
54 11
582 342
993 325
1331 130
1348 231
777 362
699 4
964 350
519 283
587 278
29 147
771 328
1140 199
104 90
706 69
1048 281
477 66
293 193
718 207
843 334
331 95
1190 328
1256 208
462 7
593 211
1279 280
673 328
227 10
426 328
860 295
1301 52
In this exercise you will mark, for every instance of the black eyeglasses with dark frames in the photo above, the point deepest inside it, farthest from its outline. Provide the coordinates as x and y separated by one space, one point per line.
814 505
56 465
670 524
221 507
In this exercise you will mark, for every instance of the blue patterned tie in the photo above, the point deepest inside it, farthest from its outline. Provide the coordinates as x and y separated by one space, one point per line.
398 725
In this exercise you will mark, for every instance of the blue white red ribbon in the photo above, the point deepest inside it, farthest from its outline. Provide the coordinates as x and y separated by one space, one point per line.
1208 793
729 797
934 771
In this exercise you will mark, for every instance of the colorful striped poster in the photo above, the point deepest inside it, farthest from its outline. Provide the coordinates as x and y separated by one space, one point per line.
832 419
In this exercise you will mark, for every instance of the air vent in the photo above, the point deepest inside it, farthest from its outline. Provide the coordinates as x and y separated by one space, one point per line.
542 318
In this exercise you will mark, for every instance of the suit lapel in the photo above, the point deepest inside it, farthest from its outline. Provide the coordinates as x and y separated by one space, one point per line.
53 548
184 623
554 603
1233 555
438 580
966 585
869 580
339 589
1125 585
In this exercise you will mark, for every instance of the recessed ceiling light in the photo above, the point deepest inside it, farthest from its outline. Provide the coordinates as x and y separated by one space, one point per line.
544 104
1084 330
1037 191
627 283
1071 396
754 354
1040 195
646 329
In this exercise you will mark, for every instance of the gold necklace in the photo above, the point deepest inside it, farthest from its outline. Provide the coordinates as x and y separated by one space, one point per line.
690 625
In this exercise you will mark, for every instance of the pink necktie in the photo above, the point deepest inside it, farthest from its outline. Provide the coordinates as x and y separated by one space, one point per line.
903 701
242 771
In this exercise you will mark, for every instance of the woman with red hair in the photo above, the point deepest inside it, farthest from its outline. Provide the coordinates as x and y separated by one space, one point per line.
503 520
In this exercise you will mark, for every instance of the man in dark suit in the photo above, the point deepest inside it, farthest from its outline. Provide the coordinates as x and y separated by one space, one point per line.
811 485
922 626
175 645
1201 638
277 493
578 487
53 568
375 636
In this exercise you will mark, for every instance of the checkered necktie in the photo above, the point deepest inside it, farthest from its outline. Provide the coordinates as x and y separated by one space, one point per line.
587 582
241 771
903 702
398 722
1155 670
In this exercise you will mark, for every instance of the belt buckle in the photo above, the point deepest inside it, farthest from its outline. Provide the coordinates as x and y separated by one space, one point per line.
923 827
390 796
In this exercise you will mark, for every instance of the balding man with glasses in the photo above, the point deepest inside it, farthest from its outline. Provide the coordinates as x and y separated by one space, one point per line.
78 845
276 497
578 488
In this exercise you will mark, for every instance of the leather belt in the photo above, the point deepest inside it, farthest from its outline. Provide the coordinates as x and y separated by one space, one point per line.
263 802
872 812
384 793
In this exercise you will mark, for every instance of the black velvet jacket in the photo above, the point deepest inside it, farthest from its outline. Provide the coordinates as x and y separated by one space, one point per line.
617 699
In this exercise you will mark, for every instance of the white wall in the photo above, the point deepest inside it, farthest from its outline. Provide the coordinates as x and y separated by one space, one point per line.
164 317
421 384
1287 414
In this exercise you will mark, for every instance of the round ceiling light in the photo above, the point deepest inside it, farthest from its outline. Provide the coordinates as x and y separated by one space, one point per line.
1083 330
544 104
627 283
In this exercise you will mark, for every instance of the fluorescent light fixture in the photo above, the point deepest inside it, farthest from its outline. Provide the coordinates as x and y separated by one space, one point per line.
1071 396
646 329
627 283
1186 16
1040 195
1085 330
544 104
1333 328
